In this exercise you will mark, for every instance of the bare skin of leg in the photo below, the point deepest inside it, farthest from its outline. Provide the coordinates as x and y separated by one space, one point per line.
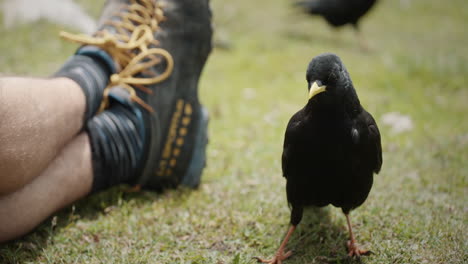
68 178
353 248
280 255
38 118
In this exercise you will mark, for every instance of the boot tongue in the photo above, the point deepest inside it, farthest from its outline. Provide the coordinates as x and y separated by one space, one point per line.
120 94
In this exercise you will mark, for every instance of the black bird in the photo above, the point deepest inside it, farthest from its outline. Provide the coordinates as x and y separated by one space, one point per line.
331 149
339 12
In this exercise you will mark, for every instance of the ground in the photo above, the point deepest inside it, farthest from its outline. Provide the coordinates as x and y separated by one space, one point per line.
417 210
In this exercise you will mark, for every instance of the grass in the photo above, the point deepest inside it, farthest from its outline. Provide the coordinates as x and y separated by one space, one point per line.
417 209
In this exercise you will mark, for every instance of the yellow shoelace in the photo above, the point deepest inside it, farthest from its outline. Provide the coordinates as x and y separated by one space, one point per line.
129 48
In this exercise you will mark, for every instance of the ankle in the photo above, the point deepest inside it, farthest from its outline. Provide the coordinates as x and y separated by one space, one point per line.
90 69
117 138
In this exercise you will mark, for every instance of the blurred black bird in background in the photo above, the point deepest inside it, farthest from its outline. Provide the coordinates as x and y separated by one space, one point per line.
339 12
331 149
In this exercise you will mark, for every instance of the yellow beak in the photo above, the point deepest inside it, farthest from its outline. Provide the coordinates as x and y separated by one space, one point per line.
315 89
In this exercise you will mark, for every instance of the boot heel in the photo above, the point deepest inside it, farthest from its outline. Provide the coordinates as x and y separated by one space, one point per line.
192 177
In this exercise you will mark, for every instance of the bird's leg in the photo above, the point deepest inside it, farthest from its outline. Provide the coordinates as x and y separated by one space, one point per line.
280 255
362 41
133 189
353 248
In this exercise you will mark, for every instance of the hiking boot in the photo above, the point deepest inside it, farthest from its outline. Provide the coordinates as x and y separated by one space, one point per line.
152 131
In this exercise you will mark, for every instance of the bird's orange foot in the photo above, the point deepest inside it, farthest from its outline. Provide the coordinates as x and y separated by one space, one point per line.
278 259
134 189
354 250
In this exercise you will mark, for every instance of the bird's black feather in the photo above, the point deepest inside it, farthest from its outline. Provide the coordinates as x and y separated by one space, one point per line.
337 12
332 146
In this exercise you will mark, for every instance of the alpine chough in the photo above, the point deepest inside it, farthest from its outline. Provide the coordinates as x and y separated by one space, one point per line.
339 12
331 149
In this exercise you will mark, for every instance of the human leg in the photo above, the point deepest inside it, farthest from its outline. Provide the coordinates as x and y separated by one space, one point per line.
67 179
38 117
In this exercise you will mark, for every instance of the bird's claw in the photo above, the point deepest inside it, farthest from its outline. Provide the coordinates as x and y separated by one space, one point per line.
355 251
278 259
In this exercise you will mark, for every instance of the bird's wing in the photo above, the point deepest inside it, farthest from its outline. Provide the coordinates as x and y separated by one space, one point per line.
373 144
289 137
